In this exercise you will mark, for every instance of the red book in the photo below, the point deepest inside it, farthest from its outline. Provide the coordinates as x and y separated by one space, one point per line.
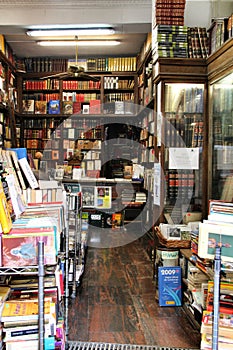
77 107
95 107
21 248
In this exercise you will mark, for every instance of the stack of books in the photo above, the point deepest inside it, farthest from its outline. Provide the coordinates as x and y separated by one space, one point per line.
170 41
169 12
225 329
140 197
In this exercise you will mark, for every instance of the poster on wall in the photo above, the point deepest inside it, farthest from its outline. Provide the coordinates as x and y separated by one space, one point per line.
103 197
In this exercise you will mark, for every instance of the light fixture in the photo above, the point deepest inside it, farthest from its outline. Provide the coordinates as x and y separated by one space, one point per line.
70 32
80 43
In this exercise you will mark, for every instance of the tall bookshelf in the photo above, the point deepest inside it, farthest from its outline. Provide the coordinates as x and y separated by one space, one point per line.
8 101
80 104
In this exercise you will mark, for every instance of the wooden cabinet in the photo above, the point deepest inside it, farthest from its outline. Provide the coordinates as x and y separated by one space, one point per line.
181 136
220 80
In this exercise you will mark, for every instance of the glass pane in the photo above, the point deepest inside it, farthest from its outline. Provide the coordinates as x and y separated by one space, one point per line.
222 132
183 130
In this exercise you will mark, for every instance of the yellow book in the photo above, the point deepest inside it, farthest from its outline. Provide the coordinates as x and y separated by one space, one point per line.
4 293
2 43
5 219
14 310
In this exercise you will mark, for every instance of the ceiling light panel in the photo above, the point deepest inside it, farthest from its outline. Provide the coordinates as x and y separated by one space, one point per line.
80 43
70 32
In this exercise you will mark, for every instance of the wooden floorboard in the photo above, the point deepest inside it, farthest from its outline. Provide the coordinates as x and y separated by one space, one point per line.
116 303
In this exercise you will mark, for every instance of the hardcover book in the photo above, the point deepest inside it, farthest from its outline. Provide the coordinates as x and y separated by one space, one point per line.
28 106
68 107
40 107
54 107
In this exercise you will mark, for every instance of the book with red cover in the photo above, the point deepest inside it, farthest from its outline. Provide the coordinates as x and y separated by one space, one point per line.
77 107
21 248
95 107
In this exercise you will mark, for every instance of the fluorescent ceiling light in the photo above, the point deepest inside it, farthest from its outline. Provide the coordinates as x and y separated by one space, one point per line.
71 32
79 43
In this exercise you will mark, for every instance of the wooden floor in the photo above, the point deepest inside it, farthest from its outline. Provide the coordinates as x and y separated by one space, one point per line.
116 303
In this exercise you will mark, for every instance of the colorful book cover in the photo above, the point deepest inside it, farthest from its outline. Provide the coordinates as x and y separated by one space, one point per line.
28 106
21 249
169 280
77 107
95 107
54 107
5 218
68 107
40 107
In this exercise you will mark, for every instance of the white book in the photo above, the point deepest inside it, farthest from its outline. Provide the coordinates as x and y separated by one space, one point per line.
23 162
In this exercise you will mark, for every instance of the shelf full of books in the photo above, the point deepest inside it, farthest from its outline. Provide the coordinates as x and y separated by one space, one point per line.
27 219
74 96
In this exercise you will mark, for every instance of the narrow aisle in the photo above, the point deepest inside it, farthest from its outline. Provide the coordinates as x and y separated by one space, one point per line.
116 303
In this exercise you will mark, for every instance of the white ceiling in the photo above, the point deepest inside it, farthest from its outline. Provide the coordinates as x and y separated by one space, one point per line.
130 18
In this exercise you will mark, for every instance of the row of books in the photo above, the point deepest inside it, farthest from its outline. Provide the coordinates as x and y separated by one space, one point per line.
48 64
80 97
110 64
116 83
180 183
85 105
221 29
47 84
187 131
80 85
188 100
180 41
43 64
198 42
121 96
19 315
41 123
170 41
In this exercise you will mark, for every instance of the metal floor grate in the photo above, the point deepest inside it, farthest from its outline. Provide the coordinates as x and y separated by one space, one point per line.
76 345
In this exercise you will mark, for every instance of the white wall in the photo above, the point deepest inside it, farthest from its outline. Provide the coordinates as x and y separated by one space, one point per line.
200 13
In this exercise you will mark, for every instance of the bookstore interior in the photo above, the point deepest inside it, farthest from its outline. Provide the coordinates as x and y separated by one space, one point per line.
101 147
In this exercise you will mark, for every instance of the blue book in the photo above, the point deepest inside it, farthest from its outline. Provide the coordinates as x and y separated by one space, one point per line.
54 107
169 285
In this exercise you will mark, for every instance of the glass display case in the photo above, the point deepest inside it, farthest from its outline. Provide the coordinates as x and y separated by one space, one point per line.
221 138
181 139
183 144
